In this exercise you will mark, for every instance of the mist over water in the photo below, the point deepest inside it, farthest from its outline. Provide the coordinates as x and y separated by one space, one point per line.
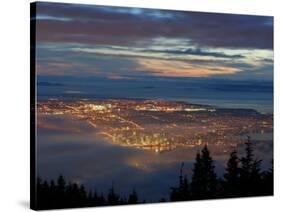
74 149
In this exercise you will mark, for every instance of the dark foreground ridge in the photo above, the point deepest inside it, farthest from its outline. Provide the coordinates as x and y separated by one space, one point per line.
243 178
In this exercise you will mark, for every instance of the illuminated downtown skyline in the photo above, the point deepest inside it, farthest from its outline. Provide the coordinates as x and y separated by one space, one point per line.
160 125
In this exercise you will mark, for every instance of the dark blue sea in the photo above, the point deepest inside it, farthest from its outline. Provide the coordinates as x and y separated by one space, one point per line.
256 95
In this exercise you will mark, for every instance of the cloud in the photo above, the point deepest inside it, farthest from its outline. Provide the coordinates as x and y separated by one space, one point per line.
127 63
199 52
130 26
156 53
181 69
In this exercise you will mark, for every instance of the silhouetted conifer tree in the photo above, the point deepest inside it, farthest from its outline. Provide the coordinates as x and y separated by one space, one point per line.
60 192
181 192
197 188
112 197
250 171
232 176
133 197
267 181
204 179
101 199
162 200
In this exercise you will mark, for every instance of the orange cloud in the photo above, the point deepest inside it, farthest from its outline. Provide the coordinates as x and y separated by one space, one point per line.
182 69
117 77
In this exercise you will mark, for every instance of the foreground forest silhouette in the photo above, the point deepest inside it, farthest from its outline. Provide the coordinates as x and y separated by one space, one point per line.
242 178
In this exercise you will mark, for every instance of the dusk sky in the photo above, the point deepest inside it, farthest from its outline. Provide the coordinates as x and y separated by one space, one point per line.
130 43
138 92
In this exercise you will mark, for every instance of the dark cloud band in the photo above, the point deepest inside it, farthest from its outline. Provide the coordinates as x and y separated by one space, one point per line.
127 26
